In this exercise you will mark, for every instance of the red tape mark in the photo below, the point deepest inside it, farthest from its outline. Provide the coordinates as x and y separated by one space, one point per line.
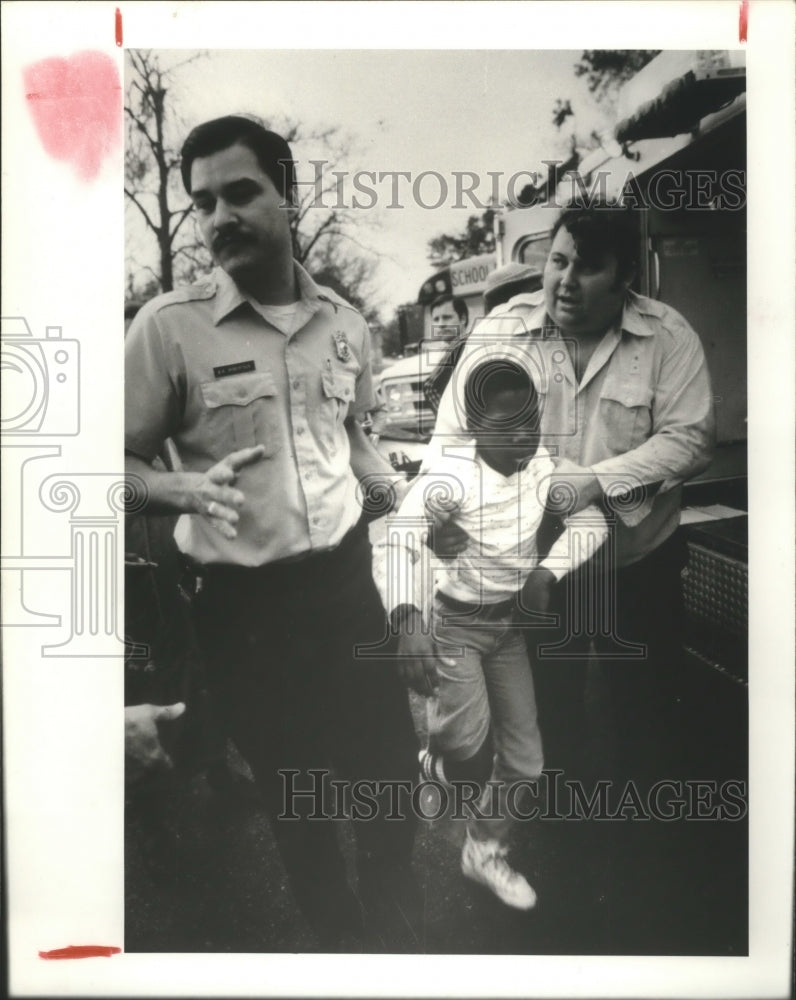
76 105
81 951
743 20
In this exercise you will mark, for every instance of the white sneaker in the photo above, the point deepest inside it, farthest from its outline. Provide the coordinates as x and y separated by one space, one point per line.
484 861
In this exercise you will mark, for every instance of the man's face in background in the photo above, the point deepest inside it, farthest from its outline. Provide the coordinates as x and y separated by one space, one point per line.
445 321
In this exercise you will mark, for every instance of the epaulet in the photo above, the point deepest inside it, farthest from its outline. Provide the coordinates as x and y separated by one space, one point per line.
671 319
197 292
649 307
329 295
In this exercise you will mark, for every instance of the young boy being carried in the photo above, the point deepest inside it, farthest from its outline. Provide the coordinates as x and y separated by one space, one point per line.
459 644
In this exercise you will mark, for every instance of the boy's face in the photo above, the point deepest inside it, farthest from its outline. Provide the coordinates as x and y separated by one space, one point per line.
507 431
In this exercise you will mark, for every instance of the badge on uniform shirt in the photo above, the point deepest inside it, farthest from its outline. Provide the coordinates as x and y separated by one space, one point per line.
342 346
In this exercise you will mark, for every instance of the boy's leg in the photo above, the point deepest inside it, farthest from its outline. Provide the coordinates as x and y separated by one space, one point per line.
517 740
518 763
458 715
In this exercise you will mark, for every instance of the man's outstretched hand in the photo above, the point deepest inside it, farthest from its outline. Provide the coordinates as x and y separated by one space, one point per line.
214 494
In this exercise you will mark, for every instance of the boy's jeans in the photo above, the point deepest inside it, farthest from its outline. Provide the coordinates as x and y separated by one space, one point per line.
491 679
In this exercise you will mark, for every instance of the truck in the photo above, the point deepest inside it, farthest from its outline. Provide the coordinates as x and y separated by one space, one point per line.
677 150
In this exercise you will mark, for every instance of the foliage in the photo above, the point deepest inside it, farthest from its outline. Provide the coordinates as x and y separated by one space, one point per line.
478 237
151 161
325 238
607 69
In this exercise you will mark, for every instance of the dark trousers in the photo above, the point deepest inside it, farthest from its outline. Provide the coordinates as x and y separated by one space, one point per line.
626 624
280 642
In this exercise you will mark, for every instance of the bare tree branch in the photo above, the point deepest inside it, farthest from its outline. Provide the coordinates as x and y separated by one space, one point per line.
183 215
141 209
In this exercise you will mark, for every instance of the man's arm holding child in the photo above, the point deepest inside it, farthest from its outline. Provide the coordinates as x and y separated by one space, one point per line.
584 533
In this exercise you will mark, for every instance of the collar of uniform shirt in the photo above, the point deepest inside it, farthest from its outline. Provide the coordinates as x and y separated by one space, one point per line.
633 321
229 297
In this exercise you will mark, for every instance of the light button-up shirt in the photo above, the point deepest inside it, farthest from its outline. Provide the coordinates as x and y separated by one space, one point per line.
206 367
641 418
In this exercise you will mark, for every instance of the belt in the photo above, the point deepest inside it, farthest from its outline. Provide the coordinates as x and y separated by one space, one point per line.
197 573
490 612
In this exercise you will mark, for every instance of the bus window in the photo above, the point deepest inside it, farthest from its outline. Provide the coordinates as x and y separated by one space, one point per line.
534 250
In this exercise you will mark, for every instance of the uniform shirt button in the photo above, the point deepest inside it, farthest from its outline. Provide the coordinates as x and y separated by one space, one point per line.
299 430
296 383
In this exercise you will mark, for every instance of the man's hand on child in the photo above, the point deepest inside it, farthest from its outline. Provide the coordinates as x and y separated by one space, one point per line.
535 595
446 539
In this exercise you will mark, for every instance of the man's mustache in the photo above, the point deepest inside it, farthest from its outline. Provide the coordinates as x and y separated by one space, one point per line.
226 237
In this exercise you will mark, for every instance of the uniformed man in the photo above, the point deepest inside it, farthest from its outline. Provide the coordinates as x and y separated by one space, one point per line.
258 375
628 411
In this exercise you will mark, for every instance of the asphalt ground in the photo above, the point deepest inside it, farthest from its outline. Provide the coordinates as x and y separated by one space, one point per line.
203 873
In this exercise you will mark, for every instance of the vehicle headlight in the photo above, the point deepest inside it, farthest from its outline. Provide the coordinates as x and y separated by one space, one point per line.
400 399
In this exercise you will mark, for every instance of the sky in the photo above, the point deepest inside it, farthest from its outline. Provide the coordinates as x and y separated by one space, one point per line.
405 110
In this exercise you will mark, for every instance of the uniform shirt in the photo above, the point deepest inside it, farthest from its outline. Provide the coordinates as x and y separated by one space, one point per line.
210 368
501 516
641 417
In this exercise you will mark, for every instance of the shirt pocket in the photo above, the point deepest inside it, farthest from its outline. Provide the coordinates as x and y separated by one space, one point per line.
625 414
242 411
339 390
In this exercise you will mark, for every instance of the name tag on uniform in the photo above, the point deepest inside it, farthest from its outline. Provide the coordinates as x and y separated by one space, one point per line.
237 369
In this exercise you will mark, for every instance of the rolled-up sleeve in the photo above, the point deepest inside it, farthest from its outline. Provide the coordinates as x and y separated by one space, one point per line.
683 428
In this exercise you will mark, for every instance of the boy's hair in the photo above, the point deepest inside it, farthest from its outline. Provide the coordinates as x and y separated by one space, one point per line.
272 151
488 379
603 227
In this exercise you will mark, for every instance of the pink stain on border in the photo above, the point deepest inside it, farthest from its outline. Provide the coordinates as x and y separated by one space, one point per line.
743 20
76 105
81 951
